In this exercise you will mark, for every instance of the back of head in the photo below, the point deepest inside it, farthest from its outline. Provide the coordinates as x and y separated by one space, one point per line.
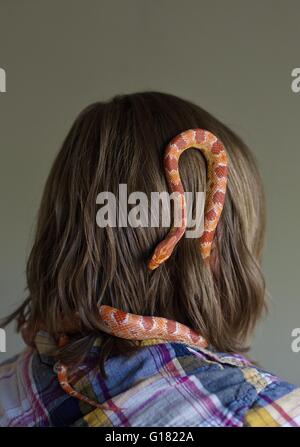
75 265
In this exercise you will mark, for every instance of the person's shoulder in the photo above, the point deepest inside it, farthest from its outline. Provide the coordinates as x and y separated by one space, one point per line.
252 395
13 388
277 404
9 367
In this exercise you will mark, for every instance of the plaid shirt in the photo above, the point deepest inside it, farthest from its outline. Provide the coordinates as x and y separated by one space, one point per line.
163 384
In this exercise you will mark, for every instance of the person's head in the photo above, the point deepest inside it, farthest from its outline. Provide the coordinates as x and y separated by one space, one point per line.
75 265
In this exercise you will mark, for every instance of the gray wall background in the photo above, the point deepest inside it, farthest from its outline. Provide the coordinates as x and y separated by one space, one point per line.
232 57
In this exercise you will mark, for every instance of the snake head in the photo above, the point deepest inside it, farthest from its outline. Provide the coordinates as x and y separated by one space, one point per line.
162 252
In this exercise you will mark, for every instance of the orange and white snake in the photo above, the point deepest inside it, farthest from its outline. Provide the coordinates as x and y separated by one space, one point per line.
217 172
138 327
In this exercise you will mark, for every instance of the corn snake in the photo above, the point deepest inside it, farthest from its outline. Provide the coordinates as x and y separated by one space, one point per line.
138 327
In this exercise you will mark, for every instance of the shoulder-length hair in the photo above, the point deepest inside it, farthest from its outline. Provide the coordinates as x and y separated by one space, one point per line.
75 265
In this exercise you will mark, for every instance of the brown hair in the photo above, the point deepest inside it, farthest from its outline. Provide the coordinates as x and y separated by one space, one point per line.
74 265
